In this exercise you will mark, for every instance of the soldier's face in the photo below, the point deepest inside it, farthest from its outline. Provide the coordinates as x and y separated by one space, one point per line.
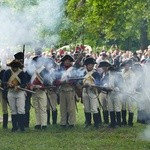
105 69
90 67
14 69
126 67
67 63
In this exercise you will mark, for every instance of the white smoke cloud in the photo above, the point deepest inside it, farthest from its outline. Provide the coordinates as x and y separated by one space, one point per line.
29 25
72 73
146 134
26 26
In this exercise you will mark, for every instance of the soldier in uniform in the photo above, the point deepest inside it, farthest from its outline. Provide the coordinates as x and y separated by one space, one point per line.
114 102
52 96
4 102
20 57
13 79
127 102
141 93
103 96
39 99
89 93
66 94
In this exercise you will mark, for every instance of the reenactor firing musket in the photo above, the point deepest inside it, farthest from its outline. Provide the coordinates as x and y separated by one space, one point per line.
108 89
20 88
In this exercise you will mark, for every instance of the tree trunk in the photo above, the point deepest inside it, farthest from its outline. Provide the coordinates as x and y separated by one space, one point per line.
144 35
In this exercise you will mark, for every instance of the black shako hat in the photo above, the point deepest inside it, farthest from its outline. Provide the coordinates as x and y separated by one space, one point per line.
128 62
89 60
38 51
137 68
15 64
36 58
104 64
19 55
67 57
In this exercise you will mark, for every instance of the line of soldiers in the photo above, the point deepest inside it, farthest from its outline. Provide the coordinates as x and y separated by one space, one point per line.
50 84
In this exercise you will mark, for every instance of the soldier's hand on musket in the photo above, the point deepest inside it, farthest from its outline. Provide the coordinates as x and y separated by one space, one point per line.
57 82
30 86
37 86
16 88
86 85
11 85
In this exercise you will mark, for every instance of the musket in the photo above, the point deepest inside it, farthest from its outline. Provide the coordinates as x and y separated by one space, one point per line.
26 90
23 52
49 101
76 106
49 87
1 89
78 78
43 88
102 88
67 81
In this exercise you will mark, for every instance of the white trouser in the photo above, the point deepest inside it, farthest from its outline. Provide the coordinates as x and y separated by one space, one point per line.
16 101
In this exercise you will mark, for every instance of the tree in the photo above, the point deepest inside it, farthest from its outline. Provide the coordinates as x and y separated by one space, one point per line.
119 22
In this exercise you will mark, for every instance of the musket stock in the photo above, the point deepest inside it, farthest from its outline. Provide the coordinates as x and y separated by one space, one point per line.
1 89
49 87
80 78
26 90
102 88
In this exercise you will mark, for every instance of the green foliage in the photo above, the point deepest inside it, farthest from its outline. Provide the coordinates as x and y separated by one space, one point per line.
116 21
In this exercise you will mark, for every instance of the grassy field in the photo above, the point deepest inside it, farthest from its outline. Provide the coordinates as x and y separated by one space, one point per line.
55 138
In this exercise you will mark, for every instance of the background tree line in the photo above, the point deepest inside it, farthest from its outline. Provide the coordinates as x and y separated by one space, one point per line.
99 22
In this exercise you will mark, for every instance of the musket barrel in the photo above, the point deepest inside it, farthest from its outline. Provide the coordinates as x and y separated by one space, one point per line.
102 88
1 89
27 90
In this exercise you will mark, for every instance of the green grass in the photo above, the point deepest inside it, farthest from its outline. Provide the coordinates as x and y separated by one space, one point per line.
55 138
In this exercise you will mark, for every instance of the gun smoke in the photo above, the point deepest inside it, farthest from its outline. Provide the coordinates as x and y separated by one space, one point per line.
30 25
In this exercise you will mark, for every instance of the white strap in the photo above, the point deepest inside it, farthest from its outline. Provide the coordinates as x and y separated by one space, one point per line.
14 76
37 75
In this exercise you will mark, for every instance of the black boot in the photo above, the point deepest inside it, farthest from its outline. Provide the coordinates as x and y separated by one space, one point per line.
67 119
21 122
124 121
85 118
48 117
5 121
99 117
27 119
112 120
96 120
54 117
14 123
130 120
88 119
118 116
106 117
